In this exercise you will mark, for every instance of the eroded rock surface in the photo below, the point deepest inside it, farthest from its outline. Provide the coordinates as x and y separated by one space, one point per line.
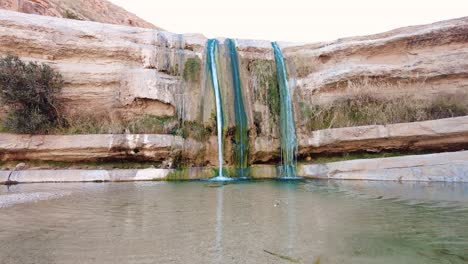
443 167
130 72
72 148
441 134
93 10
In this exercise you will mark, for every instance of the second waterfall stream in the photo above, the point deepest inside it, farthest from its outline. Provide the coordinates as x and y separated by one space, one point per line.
211 62
287 129
288 139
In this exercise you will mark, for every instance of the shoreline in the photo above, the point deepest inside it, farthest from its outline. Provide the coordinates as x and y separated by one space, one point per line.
440 167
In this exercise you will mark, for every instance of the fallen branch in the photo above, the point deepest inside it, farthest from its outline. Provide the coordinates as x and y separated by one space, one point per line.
283 256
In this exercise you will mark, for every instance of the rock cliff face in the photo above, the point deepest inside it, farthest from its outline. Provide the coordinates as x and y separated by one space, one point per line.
93 10
127 72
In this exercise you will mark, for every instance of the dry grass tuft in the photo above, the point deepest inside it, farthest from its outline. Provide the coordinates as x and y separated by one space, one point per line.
364 105
147 124
105 124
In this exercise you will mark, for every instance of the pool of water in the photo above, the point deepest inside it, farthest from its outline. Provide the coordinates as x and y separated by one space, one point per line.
245 222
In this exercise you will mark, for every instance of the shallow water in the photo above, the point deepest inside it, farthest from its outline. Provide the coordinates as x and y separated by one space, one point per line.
246 222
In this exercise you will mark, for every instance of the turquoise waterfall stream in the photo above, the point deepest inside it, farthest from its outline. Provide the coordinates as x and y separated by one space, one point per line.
241 137
288 139
212 47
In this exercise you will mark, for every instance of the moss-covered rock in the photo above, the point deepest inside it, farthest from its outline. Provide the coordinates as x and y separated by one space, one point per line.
192 70
264 73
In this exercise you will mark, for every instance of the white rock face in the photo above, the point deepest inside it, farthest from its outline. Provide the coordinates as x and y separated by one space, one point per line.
427 52
105 67
444 167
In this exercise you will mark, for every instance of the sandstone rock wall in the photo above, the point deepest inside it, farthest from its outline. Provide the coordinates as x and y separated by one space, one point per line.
105 67
442 167
93 10
79 148
438 135
128 72
449 134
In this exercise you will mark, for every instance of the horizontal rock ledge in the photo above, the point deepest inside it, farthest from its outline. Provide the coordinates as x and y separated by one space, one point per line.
443 167
49 176
441 134
73 148
450 134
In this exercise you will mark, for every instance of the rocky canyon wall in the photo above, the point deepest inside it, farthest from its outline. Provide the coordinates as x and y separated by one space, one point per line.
92 10
126 72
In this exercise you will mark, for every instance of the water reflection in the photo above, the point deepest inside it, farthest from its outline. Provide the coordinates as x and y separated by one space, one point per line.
219 224
340 222
291 208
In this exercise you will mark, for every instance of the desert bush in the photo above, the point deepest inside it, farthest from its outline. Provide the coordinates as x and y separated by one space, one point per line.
30 91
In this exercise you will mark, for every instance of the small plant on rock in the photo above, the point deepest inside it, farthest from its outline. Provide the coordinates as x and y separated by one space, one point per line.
29 90
70 15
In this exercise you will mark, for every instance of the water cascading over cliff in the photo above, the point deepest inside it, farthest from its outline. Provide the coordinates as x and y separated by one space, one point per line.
241 137
288 139
212 46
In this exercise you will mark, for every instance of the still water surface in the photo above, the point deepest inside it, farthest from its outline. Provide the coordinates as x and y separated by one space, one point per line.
248 222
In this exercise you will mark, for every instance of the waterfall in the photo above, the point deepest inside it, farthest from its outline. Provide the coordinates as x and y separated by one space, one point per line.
212 46
287 129
241 138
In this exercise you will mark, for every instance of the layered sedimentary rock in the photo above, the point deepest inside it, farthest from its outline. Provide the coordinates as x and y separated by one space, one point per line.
127 72
40 176
438 135
72 148
435 135
443 167
105 67
93 10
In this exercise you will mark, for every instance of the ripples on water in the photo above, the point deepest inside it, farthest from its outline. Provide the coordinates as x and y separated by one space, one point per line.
243 222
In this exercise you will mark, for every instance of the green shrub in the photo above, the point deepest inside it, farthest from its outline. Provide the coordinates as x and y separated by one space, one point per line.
30 91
